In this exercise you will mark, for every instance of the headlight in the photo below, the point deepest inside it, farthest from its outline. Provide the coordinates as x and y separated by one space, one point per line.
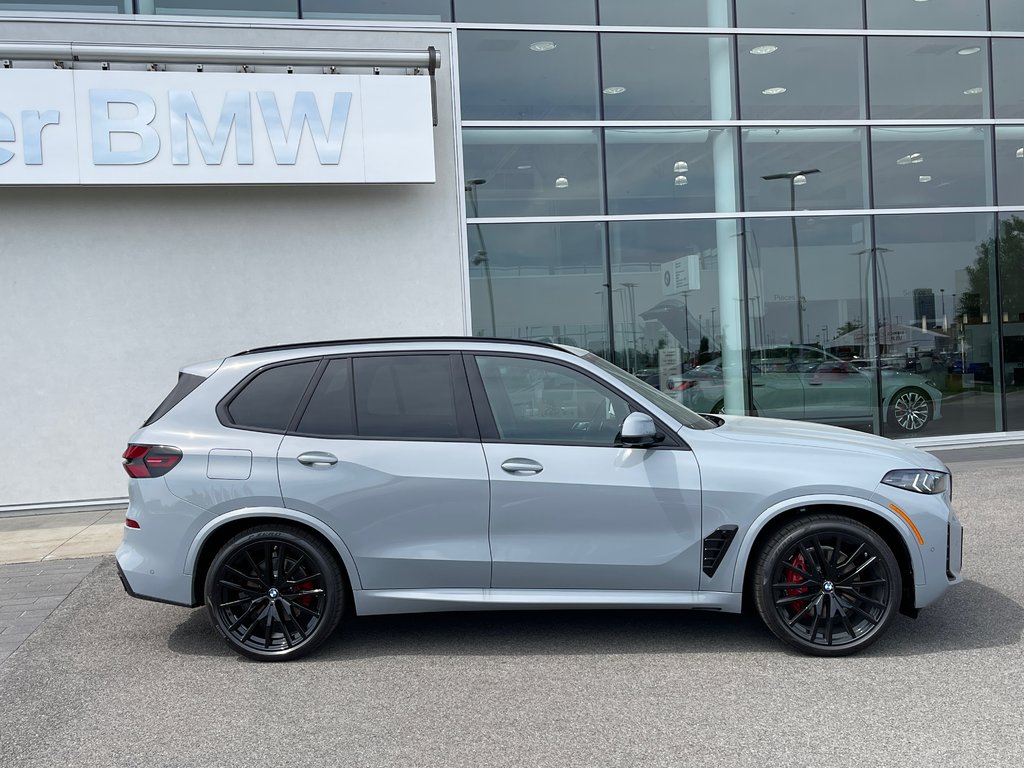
917 480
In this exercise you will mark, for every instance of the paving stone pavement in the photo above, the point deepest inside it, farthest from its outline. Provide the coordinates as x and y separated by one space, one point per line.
30 592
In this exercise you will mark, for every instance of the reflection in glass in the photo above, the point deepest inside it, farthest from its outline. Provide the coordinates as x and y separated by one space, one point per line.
1007 15
930 166
834 155
534 171
664 170
511 75
287 9
1011 285
928 77
642 77
540 281
525 11
75 6
781 77
402 10
665 13
1009 149
936 279
1007 84
961 14
807 14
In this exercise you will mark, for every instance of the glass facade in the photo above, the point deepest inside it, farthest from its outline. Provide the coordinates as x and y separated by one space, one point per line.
811 209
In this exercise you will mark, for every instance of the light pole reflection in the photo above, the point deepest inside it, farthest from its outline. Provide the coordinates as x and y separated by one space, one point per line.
480 257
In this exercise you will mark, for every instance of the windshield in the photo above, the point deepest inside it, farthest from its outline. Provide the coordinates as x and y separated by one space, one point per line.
673 408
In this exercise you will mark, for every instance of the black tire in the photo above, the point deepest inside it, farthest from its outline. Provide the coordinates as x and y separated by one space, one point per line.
910 410
827 585
275 593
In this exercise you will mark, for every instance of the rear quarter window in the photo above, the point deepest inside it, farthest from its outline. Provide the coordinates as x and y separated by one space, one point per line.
187 382
268 401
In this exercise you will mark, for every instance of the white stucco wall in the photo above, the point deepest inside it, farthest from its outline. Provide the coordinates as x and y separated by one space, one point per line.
105 293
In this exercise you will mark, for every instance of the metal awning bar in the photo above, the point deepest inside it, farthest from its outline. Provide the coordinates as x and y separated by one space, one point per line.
427 59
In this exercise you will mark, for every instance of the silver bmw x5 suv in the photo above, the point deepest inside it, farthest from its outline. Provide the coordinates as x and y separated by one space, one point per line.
286 487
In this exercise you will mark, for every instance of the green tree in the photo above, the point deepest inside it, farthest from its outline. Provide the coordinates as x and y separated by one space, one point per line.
1010 247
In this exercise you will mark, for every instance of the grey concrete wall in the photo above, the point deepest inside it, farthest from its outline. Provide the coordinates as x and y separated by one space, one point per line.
105 293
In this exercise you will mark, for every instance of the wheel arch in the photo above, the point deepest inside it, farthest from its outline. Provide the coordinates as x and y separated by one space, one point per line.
881 521
218 531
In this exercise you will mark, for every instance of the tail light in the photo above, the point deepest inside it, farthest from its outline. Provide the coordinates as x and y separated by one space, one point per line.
685 384
150 460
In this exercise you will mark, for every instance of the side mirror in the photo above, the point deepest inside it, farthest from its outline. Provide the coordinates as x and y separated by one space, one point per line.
638 431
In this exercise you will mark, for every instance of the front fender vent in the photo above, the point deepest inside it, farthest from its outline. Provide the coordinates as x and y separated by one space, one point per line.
716 544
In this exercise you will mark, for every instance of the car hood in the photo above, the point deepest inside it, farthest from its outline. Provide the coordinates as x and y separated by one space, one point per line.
750 429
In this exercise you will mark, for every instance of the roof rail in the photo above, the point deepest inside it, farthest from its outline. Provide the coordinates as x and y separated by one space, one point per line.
388 340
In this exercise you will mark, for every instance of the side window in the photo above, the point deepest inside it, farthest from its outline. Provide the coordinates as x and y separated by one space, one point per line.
329 413
543 402
269 400
406 396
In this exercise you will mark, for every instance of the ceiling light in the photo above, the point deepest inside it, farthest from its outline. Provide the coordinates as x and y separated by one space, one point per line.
924 179
561 182
915 158
1020 152
973 91
612 90
799 180
523 167
681 181
681 166
761 50
543 45
969 51
774 90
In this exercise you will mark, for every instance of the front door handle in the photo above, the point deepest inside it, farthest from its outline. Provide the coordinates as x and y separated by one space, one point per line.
317 459
521 467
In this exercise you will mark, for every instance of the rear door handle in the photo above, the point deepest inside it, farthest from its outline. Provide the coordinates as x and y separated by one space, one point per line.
317 458
521 467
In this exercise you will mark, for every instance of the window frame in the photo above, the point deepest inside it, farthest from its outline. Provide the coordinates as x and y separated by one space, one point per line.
224 415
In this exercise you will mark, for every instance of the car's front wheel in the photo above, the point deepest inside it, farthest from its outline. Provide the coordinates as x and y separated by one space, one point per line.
827 585
275 593
910 410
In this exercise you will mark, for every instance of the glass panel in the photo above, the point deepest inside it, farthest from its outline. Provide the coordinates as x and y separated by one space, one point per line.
806 168
668 170
269 400
1011 286
1007 14
805 14
781 78
540 281
1007 86
526 11
287 9
809 289
403 10
71 6
642 77
538 402
954 14
934 166
532 171
407 396
1010 164
507 75
665 299
928 77
329 412
665 13
936 333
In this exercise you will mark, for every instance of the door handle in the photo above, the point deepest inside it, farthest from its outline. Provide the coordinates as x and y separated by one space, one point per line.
317 459
521 467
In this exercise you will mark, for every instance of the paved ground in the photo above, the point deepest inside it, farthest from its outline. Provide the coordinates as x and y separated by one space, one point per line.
29 538
111 681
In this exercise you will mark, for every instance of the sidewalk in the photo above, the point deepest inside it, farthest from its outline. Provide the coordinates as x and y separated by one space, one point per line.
32 538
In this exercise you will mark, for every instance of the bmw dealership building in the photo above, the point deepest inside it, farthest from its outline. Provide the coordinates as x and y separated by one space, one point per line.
811 209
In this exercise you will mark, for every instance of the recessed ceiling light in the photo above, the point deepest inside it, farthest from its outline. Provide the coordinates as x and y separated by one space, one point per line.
1020 151
523 167
973 91
612 90
799 180
681 181
761 50
561 182
968 51
773 91
924 179
543 45
915 158
681 166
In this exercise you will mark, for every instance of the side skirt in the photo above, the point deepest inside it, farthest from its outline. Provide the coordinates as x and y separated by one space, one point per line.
380 601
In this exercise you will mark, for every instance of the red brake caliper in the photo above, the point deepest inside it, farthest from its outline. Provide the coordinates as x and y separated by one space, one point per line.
793 577
306 600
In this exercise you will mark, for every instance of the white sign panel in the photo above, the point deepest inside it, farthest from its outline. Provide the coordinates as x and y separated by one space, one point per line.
670 364
155 128
681 275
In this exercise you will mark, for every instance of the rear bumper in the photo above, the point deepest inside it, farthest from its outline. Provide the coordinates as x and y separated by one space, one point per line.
145 583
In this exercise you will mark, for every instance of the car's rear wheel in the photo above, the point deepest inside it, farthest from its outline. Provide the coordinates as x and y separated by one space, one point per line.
910 410
275 593
827 585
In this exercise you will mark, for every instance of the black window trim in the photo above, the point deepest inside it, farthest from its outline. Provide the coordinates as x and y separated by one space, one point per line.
489 428
224 416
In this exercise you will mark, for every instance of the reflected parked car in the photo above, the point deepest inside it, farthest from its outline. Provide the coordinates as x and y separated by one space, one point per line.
810 384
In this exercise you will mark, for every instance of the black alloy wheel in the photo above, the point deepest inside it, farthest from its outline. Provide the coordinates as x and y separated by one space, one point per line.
275 593
827 585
